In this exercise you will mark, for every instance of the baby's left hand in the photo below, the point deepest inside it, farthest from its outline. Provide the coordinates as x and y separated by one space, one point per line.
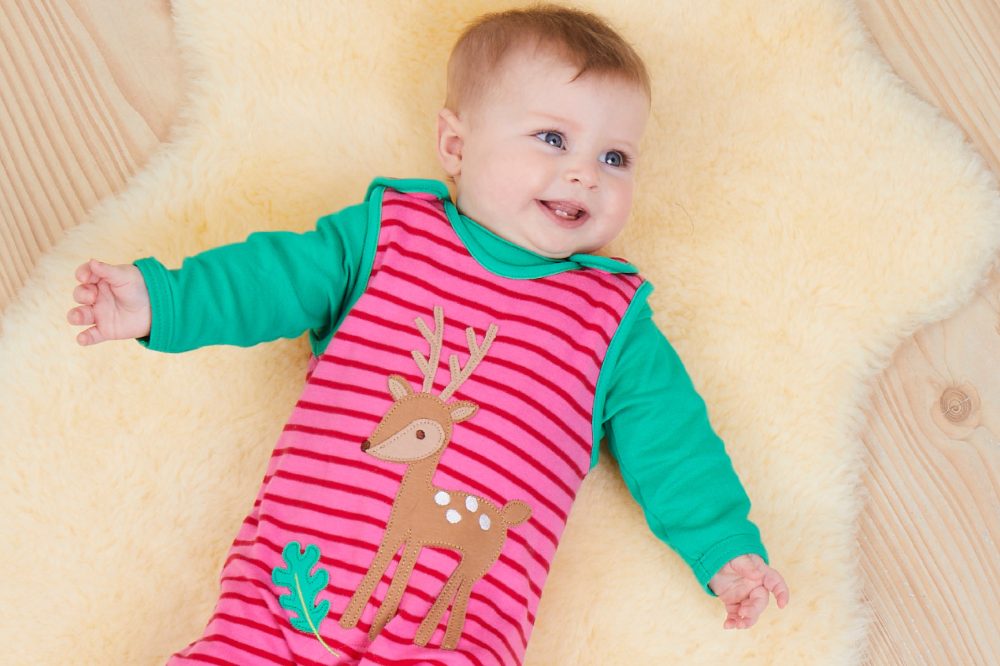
744 585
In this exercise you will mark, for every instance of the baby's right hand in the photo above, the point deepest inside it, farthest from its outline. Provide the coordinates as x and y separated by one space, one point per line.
114 303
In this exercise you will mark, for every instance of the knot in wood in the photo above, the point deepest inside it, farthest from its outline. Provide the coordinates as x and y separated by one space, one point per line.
956 404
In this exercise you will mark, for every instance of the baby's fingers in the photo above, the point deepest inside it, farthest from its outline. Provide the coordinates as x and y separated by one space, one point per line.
750 609
94 271
85 272
776 585
91 336
81 316
85 294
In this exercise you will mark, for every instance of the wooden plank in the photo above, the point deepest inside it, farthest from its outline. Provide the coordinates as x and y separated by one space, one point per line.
947 50
88 90
931 529
931 526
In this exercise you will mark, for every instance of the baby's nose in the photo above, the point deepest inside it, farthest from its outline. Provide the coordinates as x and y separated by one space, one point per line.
583 173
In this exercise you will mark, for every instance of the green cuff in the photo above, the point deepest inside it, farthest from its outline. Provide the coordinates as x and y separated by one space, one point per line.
718 555
161 319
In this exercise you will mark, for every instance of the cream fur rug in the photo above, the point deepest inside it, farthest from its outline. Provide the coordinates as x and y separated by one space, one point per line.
799 211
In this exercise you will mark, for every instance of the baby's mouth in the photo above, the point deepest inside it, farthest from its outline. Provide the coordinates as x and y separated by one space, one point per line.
565 209
563 214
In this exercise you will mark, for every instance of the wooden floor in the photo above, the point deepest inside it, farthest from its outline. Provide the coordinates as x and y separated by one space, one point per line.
89 88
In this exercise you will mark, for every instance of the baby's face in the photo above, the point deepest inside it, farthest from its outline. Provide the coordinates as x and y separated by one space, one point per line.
546 162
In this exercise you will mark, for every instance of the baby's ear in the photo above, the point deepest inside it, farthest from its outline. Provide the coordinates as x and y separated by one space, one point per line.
450 141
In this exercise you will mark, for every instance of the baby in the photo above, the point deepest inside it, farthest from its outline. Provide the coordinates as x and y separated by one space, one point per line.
461 472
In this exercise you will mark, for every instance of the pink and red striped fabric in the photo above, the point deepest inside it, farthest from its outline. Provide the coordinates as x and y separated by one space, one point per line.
530 440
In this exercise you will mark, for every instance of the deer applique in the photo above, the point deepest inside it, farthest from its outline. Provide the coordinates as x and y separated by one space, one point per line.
416 431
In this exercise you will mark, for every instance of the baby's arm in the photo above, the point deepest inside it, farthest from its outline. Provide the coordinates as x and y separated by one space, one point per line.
677 468
272 285
114 302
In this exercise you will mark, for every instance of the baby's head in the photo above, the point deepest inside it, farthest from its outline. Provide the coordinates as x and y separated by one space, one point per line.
541 128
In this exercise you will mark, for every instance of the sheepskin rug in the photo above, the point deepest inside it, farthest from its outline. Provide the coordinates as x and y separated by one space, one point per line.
799 210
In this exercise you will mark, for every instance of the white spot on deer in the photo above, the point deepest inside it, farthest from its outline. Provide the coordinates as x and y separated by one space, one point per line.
442 498
484 522
453 516
471 503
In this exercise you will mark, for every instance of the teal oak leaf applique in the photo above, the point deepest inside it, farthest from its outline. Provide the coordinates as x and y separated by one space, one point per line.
303 587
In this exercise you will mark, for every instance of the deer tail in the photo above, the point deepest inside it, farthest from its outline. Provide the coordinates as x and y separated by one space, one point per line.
515 512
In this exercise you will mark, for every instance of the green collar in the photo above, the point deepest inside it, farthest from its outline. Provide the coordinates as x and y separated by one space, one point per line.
499 255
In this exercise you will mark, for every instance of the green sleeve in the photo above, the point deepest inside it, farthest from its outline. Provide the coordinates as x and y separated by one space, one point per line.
273 285
671 459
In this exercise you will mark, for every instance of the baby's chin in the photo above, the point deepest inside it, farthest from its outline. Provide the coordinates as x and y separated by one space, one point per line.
559 251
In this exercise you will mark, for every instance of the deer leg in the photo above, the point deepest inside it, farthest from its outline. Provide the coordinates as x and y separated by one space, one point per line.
456 621
400 577
386 550
430 622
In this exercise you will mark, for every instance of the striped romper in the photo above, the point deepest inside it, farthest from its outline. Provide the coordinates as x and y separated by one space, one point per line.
413 503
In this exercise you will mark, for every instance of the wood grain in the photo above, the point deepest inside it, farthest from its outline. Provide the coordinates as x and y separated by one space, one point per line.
931 529
931 526
88 90
947 50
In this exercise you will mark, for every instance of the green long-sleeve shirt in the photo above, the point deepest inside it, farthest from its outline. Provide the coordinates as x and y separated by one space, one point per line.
281 284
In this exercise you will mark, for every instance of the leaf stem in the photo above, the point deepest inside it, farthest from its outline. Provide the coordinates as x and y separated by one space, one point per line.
305 613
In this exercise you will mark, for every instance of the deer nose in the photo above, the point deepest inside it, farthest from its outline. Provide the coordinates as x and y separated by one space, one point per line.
365 445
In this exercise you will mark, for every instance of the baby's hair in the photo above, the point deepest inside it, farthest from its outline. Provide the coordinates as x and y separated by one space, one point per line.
581 39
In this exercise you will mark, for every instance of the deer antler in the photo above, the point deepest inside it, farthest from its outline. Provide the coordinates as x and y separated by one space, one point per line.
429 367
476 354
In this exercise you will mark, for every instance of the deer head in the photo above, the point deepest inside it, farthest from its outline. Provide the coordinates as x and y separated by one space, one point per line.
419 425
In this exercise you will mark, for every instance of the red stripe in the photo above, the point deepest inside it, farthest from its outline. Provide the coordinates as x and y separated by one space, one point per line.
456 247
469 482
414 591
353 489
519 451
330 458
472 483
521 540
266 589
339 564
357 490
349 463
372 549
513 535
231 642
551 447
401 640
341 410
326 510
602 279
482 307
396 661
499 386
496 288
353 517
496 360
545 354
200 659
440 217
398 639
351 389
299 659
535 349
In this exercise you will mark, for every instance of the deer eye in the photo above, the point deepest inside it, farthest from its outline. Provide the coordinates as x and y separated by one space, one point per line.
420 434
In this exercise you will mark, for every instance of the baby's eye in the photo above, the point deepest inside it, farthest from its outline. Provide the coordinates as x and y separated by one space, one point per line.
614 158
552 138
